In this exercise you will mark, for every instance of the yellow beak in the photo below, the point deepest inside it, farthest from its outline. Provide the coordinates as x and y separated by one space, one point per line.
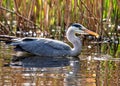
91 32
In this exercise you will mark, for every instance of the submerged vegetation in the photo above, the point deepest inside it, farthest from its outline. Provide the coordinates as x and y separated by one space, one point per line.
50 18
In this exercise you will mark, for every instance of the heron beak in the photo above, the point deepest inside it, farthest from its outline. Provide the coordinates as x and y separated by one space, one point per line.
91 32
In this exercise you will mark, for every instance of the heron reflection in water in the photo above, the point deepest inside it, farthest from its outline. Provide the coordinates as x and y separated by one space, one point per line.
49 47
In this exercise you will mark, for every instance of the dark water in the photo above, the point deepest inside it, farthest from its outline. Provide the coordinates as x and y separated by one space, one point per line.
86 70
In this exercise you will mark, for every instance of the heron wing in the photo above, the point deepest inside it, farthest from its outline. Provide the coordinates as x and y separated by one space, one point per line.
59 45
18 41
44 46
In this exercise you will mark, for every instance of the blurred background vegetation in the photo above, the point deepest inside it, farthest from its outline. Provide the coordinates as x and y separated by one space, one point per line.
50 18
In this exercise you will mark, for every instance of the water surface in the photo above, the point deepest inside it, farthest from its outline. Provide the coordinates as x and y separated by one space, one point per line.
86 70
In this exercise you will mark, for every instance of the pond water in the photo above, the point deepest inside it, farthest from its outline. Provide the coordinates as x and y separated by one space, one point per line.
86 70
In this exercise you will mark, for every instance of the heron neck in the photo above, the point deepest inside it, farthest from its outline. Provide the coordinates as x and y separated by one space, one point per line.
75 41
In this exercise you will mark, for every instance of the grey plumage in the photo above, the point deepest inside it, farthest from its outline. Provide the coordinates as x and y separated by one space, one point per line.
43 47
49 47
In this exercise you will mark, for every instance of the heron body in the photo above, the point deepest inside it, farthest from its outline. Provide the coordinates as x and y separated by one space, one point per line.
50 47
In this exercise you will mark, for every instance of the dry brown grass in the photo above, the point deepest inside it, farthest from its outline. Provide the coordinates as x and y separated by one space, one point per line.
46 14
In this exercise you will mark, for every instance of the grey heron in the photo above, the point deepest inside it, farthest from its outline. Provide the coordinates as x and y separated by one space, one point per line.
50 47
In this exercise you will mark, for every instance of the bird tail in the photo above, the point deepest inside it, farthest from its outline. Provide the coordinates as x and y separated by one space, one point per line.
8 39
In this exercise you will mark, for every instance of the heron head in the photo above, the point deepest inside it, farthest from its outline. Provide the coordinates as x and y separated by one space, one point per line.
80 28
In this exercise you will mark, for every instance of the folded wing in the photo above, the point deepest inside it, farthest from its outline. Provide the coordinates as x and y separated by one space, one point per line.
44 47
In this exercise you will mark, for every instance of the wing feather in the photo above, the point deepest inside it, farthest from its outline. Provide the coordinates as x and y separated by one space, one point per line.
45 46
